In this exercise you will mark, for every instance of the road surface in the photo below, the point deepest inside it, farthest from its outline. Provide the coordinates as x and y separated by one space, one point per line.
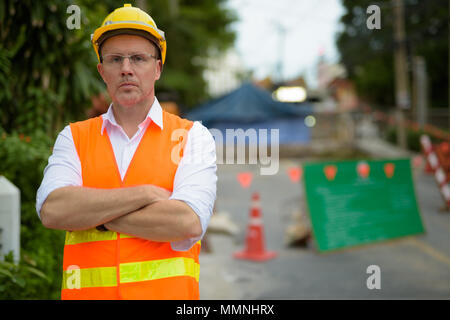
416 267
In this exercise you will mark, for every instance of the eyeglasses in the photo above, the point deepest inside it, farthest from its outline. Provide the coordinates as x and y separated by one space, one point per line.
116 60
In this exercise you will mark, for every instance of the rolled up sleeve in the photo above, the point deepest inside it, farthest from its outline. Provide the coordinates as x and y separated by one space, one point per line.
63 168
196 179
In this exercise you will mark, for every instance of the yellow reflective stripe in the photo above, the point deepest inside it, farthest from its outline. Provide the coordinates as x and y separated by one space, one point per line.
124 236
89 277
75 237
130 272
158 269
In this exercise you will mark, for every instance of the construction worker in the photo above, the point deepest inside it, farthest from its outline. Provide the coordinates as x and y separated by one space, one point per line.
135 187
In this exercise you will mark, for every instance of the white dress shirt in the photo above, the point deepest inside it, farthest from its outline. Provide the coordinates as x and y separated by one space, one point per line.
195 179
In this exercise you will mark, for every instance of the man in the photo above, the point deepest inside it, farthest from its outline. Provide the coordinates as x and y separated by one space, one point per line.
135 187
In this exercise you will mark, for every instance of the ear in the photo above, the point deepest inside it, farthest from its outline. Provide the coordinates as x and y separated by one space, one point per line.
101 71
159 68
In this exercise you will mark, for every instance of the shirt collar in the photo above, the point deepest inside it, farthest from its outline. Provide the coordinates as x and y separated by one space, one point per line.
154 114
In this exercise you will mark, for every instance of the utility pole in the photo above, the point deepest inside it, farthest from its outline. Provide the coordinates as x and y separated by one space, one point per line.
281 37
420 90
401 75
448 65
173 8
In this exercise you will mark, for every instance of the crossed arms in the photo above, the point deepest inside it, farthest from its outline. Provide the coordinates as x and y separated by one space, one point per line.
143 211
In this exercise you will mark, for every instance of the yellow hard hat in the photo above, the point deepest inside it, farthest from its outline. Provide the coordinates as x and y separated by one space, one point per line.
129 20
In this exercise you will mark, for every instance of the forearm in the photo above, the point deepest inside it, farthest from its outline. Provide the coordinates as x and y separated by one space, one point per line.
165 220
79 208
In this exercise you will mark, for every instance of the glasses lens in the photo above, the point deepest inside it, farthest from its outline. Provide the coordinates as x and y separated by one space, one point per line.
113 59
138 58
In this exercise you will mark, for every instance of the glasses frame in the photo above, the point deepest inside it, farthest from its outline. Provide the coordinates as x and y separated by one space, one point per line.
123 56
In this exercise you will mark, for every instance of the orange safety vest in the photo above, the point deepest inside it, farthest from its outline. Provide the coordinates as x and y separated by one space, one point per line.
109 265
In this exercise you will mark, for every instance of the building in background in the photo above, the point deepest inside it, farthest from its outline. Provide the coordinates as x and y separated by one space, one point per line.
327 72
251 107
224 73
334 91
344 93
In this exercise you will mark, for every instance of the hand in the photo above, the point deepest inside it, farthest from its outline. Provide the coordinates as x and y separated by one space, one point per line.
152 195
156 193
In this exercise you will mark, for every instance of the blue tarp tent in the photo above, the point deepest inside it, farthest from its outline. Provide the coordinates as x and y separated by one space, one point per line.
251 107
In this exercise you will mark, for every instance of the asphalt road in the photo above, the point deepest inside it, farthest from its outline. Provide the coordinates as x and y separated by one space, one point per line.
416 267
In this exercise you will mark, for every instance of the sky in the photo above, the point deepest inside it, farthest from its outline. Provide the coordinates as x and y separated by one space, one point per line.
310 29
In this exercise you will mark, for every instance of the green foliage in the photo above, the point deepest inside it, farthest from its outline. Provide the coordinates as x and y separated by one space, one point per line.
368 54
20 281
193 30
363 51
50 70
22 161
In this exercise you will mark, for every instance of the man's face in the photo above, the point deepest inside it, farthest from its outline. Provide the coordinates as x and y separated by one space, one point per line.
129 84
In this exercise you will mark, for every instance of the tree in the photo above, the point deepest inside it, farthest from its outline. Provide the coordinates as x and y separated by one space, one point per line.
48 71
368 54
193 29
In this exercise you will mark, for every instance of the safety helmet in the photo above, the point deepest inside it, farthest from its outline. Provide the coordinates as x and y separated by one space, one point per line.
129 20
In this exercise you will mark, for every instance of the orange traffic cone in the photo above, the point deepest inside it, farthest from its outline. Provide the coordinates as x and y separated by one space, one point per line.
255 249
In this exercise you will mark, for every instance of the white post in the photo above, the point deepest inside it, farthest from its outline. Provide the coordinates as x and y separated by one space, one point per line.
9 219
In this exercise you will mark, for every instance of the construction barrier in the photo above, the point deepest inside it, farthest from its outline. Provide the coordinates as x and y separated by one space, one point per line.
443 155
357 202
438 159
429 129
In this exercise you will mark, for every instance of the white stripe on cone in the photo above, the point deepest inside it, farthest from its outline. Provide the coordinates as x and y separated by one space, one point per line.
256 221
256 204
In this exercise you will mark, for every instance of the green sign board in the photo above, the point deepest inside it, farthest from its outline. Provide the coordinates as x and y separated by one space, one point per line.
358 202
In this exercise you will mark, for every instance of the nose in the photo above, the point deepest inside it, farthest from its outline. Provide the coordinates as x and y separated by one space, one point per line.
126 68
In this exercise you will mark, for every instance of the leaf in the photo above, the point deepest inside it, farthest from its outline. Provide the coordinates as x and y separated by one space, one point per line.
9 265
7 273
20 282
21 38
37 272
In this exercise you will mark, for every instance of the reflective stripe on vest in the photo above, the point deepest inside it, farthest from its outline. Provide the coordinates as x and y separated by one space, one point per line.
133 272
92 235
118 266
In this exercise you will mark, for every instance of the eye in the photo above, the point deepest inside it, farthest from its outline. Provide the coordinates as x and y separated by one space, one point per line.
115 59
138 58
